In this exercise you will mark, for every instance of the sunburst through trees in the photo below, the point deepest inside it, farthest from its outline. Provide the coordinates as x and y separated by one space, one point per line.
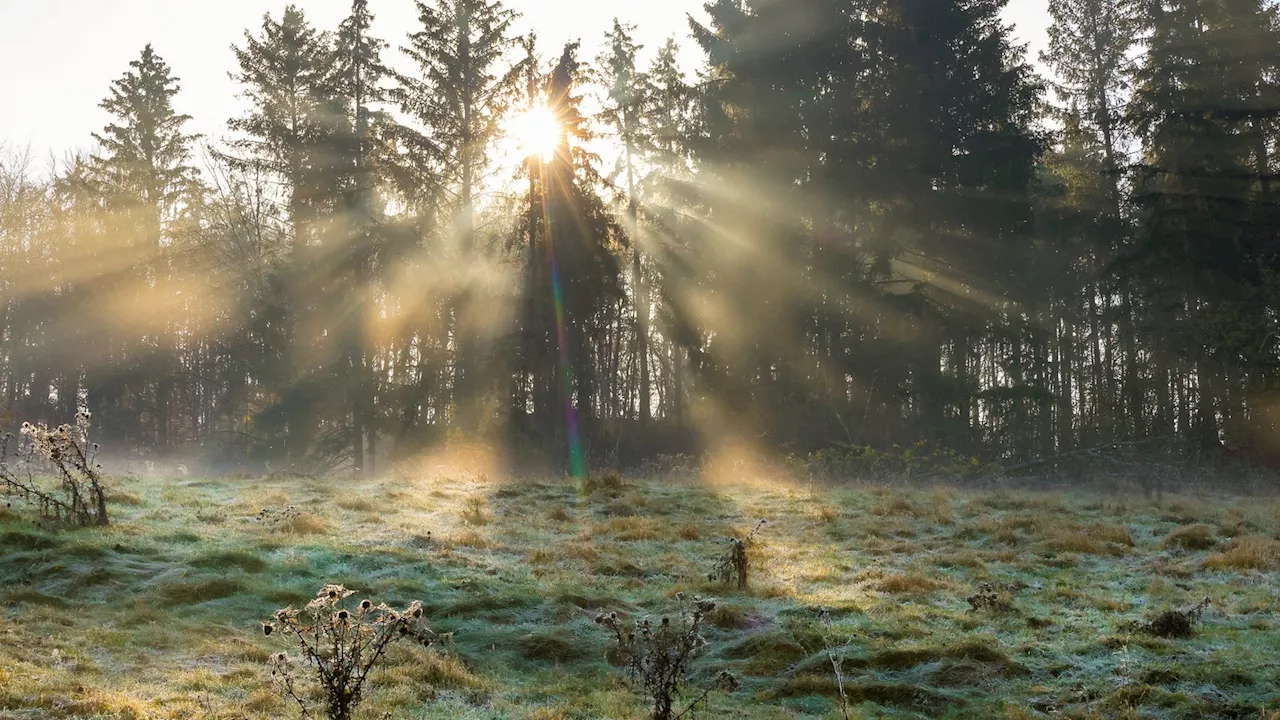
857 223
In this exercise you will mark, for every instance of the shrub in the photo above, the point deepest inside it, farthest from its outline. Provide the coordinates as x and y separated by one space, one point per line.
659 655
66 453
734 566
339 647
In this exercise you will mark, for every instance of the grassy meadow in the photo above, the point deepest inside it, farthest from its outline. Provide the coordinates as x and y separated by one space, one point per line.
158 615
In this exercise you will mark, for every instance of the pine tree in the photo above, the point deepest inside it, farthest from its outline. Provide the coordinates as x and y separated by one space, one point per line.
143 171
358 83
288 75
458 97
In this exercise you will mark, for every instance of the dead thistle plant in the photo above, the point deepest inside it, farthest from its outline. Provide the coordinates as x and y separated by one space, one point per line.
659 654
339 647
64 452
734 565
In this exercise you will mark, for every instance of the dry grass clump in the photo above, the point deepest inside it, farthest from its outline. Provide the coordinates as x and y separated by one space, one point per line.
909 583
689 531
305 523
606 483
472 539
353 502
1175 623
540 556
473 511
1190 537
1246 553
1099 539
895 506
629 528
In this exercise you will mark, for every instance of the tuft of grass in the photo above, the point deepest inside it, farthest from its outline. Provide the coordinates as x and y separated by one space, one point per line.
305 523
555 646
729 617
354 502
193 592
1100 539
606 483
230 559
473 513
895 506
910 583
1190 537
1246 553
689 531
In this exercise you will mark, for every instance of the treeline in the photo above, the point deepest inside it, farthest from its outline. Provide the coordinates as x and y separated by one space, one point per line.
863 222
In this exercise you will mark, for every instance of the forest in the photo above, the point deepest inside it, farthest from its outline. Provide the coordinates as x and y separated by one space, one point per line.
860 223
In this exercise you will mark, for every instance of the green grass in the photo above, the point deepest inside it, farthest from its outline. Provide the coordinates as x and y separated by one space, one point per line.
157 616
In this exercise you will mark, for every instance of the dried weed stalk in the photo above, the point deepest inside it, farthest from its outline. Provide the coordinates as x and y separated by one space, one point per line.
734 565
339 647
659 654
65 453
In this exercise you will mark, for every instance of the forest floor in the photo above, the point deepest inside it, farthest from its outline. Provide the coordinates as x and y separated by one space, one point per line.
158 615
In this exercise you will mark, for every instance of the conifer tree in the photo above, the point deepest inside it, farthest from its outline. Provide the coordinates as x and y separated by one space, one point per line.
144 173
457 96
627 94
288 76
1090 44
578 274
359 75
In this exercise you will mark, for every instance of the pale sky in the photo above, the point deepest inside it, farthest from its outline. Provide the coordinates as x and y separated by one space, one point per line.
58 57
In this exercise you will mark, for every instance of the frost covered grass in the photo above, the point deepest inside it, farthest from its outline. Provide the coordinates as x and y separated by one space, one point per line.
158 615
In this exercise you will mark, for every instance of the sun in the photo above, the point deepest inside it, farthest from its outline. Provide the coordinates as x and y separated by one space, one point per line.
535 132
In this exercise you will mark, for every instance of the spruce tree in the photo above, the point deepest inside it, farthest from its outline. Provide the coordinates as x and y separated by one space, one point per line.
287 73
144 173
289 133
578 275
457 98
1090 44
358 82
